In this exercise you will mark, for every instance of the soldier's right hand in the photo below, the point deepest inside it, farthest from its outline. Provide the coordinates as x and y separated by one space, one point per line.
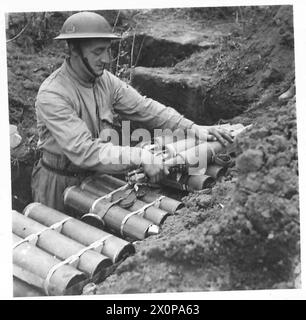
154 168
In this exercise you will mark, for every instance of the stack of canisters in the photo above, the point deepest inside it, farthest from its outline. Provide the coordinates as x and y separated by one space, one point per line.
58 254
205 161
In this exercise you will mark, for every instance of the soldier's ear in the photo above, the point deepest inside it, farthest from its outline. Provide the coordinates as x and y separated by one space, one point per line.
74 48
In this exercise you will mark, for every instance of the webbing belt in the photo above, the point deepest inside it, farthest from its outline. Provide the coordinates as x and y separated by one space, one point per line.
107 196
63 172
104 205
139 212
32 238
70 260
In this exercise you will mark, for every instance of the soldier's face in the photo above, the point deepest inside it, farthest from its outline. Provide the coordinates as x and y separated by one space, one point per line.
97 54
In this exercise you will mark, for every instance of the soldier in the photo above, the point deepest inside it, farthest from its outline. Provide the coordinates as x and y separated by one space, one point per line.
77 101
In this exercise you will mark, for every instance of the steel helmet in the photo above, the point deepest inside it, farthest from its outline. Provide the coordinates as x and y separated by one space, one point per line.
86 24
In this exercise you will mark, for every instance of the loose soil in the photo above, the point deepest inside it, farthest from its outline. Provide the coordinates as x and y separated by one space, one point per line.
245 233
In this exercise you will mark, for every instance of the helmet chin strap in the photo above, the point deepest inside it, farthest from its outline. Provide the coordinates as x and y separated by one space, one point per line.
87 65
86 62
89 68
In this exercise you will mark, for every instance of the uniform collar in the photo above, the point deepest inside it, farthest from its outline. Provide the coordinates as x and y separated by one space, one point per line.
82 75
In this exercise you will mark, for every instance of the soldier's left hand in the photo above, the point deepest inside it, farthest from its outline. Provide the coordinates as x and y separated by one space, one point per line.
212 133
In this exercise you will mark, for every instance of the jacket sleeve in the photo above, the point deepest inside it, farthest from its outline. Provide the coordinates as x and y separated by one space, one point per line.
74 138
135 107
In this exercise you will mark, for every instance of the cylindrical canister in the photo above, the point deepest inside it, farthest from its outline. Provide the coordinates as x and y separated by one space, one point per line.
165 139
191 183
172 183
111 246
179 146
82 204
97 187
23 289
216 170
200 182
161 141
105 213
199 156
167 204
152 213
110 181
34 266
91 262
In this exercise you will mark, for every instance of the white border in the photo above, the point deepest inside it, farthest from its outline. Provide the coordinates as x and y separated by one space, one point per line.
5 197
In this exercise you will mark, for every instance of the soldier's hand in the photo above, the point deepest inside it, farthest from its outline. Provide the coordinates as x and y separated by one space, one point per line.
212 133
154 168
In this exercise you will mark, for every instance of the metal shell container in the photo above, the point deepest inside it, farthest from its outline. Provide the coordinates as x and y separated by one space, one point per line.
151 213
191 183
105 214
167 204
23 289
33 265
216 171
92 263
200 182
173 183
81 202
166 139
199 156
174 148
111 246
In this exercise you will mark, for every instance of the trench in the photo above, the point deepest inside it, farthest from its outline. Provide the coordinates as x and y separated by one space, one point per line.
156 73
149 51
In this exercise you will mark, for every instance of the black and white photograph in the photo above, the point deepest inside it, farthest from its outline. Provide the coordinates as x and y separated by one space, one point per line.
152 150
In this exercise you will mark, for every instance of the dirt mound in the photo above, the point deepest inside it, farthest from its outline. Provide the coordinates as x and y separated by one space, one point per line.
244 235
